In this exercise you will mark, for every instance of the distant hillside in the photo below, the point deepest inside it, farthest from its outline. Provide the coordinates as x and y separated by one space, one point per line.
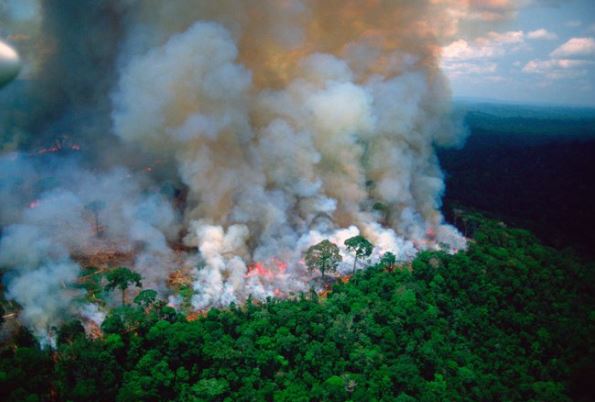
525 111
529 124
507 320
534 165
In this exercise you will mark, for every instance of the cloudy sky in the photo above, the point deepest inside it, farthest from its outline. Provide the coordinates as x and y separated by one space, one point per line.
531 51
541 52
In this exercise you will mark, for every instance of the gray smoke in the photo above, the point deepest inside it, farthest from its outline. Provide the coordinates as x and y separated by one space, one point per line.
266 148
71 212
284 123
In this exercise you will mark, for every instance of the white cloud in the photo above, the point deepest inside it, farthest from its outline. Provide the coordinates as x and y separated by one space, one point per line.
463 50
504 37
454 70
556 69
543 34
575 47
492 45
464 58
538 66
482 10
568 61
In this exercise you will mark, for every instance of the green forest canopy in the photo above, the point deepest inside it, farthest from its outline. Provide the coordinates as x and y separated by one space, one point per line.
509 319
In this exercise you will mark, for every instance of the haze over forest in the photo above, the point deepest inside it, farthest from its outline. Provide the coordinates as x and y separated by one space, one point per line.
297 200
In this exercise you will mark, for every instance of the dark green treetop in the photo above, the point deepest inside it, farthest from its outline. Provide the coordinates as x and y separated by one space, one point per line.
324 257
122 278
146 298
389 260
360 246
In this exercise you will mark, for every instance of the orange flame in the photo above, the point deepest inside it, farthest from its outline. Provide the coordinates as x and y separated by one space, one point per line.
260 269
195 315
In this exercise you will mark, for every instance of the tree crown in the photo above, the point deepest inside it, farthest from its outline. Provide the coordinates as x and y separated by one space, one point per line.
324 256
121 278
359 245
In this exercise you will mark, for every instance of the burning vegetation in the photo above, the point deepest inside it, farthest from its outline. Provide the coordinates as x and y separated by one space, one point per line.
407 323
217 152
188 180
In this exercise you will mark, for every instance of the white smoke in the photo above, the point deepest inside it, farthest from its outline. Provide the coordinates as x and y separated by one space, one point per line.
79 214
286 122
262 163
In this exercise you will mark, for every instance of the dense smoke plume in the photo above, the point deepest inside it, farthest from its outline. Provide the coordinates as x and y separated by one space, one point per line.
281 122
76 213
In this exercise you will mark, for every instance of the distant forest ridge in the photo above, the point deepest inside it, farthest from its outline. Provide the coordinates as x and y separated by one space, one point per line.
528 120
533 165
540 110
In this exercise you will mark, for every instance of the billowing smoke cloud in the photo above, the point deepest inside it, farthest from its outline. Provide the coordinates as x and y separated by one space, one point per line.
271 132
72 213
282 123
69 52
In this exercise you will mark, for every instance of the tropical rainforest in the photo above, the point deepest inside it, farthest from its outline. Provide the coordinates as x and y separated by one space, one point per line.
507 320
533 167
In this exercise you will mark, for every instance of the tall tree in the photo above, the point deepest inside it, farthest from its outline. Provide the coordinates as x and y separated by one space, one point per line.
389 260
360 246
122 278
146 298
323 256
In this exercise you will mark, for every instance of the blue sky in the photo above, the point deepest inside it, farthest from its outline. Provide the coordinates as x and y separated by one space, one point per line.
544 53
